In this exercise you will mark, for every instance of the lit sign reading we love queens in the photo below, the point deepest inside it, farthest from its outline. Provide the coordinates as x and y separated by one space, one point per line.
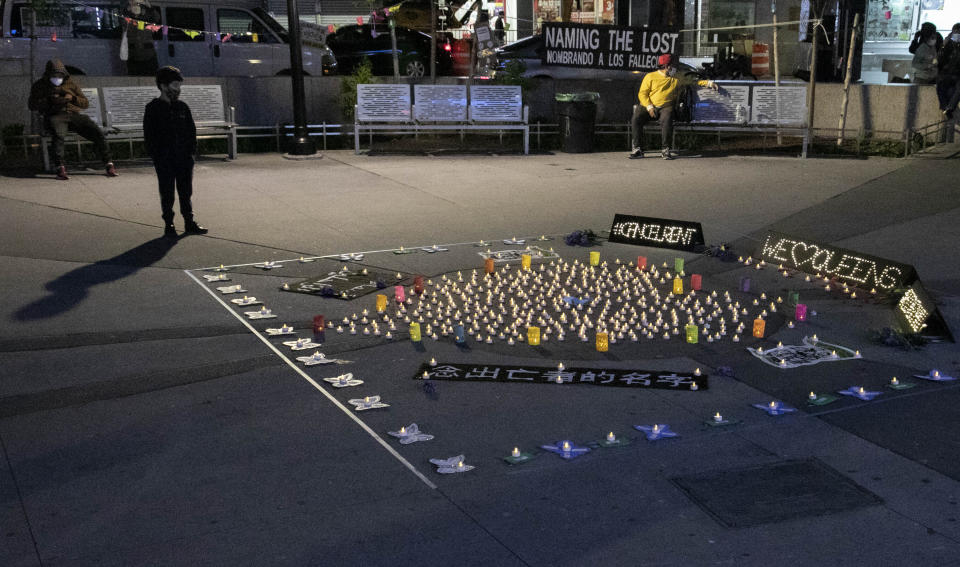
817 258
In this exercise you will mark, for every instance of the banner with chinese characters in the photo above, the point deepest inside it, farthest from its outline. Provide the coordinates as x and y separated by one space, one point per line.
658 233
553 375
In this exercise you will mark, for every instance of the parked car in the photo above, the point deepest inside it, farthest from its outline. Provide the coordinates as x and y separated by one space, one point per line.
352 44
87 38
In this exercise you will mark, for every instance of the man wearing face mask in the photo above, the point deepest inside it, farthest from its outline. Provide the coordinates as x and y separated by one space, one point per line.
658 93
171 139
948 81
925 46
60 100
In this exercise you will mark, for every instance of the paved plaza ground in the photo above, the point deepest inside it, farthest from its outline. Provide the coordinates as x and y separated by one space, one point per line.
145 420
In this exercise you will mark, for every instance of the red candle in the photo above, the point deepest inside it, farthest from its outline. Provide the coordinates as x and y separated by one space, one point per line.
399 293
418 285
641 262
318 323
696 280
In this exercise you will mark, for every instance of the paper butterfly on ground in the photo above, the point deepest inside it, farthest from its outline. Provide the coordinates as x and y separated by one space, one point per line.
517 241
367 402
283 330
348 257
656 431
263 313
268 265
344 380
775 408
434 248
316 358
566 449
228 289
246 301
935 376
301 344
859 392
452 465
216 277
410 434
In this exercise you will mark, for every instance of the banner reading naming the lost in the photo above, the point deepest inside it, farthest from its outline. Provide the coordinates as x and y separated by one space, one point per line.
599 46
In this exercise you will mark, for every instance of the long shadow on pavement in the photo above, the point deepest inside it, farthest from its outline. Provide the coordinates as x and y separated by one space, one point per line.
73 287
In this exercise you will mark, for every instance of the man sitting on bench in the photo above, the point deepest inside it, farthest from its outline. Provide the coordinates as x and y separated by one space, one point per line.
658 93
60 100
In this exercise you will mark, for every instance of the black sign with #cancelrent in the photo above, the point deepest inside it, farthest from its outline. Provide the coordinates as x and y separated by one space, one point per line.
658 233
554 375
598 46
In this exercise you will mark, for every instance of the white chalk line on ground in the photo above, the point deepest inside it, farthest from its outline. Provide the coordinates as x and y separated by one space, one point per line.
315 384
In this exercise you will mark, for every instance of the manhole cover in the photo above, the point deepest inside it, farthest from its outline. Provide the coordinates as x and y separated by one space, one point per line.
774 493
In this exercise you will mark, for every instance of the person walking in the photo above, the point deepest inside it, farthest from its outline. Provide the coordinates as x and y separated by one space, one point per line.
171 139
658 93
948 79
926 44
60 100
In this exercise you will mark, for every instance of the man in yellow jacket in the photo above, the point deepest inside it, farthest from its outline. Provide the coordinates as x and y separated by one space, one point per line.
658 94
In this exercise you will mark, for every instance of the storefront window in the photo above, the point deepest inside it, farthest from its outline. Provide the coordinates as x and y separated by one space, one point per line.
585 11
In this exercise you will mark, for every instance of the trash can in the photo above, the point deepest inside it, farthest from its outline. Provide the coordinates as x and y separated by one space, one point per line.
577 117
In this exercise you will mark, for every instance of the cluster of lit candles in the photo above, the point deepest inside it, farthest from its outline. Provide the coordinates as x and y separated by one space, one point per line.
559 300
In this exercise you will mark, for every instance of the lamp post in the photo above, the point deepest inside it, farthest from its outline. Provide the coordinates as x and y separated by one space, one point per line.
302 144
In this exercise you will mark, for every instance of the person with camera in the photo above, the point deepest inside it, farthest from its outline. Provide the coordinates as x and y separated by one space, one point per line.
61 102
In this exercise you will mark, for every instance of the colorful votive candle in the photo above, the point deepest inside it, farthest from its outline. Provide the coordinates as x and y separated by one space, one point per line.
533 336
399 293
488 267
693 333
745 283
415 332
678 265
696 282
381 303
759 326
641 262
801 312
677 286
525 260
594 258
603 342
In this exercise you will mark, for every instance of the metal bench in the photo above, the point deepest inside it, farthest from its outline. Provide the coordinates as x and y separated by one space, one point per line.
763 109
124 112
440 108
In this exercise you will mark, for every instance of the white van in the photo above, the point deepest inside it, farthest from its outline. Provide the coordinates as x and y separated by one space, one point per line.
87 39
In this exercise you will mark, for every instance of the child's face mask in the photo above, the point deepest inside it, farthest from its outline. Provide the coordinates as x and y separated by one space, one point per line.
56 81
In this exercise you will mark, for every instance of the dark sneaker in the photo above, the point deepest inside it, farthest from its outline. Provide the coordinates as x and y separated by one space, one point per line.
170 231
111 170
194 228
665 153
62 173
637 153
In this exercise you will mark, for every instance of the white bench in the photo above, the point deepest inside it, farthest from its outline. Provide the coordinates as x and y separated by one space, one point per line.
439 108
124 112
750 108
